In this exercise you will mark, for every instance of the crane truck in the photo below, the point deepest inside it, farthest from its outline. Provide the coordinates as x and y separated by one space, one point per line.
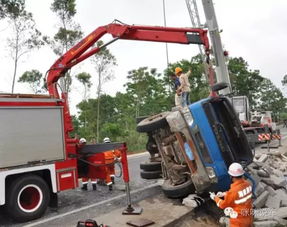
38 156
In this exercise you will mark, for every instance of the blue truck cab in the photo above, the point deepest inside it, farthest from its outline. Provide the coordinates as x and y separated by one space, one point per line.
196 145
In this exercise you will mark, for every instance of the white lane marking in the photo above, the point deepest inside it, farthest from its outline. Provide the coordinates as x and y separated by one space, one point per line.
88 206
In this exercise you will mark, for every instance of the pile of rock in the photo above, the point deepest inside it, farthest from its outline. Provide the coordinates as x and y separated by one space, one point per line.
269 172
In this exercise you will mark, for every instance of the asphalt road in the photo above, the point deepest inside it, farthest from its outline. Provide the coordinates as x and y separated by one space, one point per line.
75 199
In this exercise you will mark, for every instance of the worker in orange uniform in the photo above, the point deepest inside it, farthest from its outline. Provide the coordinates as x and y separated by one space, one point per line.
184 87
85 180
237 202
110 157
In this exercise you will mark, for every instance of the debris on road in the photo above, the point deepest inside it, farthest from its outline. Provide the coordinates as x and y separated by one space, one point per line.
193 201
269 170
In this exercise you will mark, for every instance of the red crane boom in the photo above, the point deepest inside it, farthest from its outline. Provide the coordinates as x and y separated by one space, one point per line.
80 51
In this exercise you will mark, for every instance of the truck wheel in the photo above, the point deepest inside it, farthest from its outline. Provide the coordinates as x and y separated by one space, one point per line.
151 166
27 198
153 122
150 175
177 191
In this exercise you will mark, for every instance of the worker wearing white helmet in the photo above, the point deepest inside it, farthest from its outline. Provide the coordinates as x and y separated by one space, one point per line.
91 169
106 140
110 157
237 202
83 141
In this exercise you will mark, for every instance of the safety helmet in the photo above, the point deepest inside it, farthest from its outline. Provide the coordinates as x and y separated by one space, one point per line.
177 70
107 140
235 170
83 140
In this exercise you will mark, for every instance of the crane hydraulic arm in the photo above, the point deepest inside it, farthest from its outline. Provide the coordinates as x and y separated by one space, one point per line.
82 51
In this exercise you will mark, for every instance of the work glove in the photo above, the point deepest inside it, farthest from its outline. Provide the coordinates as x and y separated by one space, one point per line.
220 194
212 195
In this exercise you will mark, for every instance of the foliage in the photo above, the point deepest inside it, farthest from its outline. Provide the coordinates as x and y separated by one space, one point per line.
25 37
68 33
272 98
245 81
147 92
11 8
33 78
261 92
104 62
85 79
284 81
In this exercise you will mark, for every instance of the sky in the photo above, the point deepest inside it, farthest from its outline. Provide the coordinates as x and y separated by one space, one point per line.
254 30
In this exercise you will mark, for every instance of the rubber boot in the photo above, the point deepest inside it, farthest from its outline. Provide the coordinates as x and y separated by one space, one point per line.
110 187
84 187
94 187
113 179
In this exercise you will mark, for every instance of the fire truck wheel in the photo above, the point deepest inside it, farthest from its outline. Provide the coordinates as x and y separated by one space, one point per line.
150 166
153 122
177 191
150 175
27 198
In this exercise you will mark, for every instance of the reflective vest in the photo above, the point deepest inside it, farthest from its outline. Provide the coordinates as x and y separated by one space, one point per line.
237 202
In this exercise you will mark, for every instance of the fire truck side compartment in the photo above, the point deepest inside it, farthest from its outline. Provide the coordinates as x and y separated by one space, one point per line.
30 134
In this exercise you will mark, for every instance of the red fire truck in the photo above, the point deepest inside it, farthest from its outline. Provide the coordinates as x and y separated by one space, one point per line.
38 157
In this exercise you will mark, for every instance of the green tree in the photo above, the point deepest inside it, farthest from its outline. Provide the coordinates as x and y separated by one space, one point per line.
88 108
85 79
245 81
104 62
34 79
147 92
25 36
271 98
68 33
284 80
11 7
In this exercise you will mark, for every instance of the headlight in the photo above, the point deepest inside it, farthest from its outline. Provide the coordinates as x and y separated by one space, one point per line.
187 116
210 172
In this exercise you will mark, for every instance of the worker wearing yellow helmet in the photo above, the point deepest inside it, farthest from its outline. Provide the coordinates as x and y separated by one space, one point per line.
184 87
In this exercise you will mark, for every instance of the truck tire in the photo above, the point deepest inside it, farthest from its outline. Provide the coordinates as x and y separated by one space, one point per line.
150 166
27 198
153 122
177 191
150 175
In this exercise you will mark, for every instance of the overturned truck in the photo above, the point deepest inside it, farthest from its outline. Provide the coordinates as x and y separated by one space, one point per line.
194 146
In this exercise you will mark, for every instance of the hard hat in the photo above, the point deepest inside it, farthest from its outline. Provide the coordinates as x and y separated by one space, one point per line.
107 140
83 140
178 70
235 170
